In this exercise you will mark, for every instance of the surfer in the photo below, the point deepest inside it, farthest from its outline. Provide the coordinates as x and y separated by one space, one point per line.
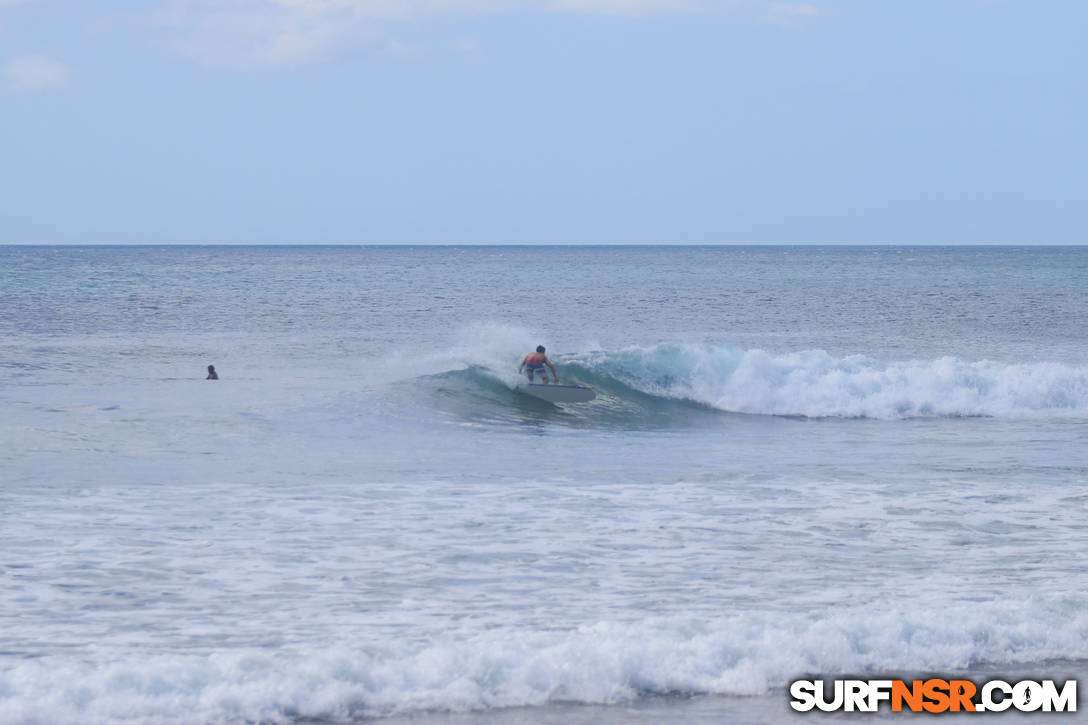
534 363
212 375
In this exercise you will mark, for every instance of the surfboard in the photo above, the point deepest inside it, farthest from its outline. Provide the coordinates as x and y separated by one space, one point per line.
559 393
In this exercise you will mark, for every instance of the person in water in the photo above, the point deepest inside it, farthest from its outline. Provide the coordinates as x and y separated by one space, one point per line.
212 375
534 363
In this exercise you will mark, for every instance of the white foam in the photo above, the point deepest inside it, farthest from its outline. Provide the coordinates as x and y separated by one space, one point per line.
815 384
747 654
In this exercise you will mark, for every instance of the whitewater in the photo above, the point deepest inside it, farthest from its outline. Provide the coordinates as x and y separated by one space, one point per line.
802 461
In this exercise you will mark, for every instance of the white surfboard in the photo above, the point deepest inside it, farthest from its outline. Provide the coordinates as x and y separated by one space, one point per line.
559 393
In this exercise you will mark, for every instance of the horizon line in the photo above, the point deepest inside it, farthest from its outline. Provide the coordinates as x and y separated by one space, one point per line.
545 244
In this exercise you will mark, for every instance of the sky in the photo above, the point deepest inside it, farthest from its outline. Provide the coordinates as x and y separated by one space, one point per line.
543 121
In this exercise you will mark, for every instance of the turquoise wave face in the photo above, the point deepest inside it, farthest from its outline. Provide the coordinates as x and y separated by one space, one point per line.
477 394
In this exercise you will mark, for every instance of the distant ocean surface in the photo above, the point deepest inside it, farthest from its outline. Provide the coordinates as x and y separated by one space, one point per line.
803 461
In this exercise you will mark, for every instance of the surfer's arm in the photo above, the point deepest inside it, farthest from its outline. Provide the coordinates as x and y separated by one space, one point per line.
554 374
522 366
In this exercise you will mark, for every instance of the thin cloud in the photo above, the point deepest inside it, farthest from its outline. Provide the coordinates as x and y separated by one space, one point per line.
418 8
273 33
794 11
406 8
35 73
264 37
256 33
628 7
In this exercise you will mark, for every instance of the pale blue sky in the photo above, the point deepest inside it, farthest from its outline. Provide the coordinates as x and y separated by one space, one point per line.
507 121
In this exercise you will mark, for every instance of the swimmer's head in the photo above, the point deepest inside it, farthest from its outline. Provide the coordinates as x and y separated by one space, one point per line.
211 368
540 348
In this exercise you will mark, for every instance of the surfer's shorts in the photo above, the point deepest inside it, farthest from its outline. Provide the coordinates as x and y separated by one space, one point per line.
534 369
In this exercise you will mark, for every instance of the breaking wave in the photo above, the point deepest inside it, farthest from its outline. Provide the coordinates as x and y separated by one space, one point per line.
670 383
816 384
743 655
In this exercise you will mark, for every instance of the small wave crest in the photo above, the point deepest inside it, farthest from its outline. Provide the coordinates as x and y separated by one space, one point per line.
605 663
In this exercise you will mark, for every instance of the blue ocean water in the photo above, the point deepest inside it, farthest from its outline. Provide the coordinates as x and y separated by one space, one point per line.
802 460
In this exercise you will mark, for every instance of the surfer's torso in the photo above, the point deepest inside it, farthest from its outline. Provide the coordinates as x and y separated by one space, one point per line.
535 360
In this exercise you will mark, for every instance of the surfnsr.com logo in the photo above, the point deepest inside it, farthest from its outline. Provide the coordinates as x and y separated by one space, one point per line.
933 695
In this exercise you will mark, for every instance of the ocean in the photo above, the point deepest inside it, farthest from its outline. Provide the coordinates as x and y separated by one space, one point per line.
802 462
